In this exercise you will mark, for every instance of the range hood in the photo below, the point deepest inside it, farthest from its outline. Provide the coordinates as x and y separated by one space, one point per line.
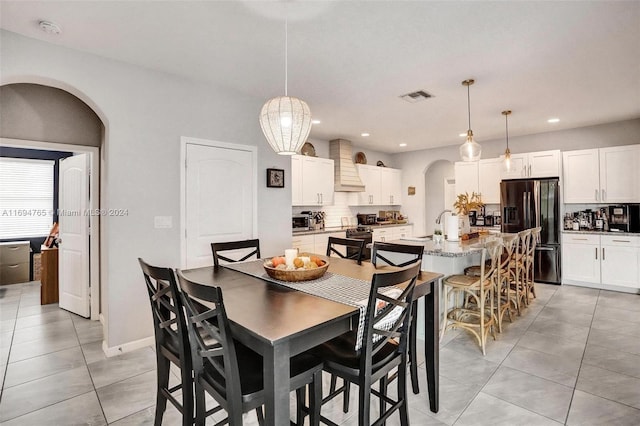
346 174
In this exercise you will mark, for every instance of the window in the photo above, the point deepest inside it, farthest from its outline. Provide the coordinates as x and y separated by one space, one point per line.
26 197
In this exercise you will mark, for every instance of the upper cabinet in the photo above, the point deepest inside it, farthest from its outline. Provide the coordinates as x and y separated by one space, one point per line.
482 177
539 164
312 180
604 175
383 186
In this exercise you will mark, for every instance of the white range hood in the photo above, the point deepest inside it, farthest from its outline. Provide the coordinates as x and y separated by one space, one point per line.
346 174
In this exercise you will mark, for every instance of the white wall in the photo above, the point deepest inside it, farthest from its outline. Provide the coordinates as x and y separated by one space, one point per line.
414 164
145 113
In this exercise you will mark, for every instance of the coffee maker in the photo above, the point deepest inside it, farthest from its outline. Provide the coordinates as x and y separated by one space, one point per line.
624 218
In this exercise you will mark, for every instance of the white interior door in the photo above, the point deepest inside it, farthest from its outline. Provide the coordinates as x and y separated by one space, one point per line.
220 198
73 262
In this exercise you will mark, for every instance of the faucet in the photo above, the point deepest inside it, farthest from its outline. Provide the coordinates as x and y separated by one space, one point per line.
440 216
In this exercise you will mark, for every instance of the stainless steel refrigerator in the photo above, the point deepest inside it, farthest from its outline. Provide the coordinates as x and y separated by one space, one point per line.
528 203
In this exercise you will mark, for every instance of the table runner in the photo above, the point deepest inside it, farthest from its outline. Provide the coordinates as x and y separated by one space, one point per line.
330 286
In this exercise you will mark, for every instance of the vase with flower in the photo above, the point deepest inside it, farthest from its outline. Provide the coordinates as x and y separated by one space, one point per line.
463 205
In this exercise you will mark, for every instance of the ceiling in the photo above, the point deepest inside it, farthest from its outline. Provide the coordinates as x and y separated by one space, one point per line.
350 61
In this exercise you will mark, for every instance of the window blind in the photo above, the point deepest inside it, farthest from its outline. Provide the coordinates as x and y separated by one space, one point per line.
26 197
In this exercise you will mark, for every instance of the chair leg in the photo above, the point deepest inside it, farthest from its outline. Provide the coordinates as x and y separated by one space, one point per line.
315 399
445 301
402 396
259 414
346 394
200 404
384 382
334 383
413 351
364 401
163 366
187 396
301 395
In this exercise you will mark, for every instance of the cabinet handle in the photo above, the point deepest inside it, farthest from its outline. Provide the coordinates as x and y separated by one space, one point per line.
602 253
621 241
524 171
321 198
604 195
580 239
596 253
597 195
13 266
529 170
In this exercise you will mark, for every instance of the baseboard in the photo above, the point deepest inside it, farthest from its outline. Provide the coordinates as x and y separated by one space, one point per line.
127 347
101 318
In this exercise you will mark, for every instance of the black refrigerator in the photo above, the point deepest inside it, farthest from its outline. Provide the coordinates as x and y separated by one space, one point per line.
528 203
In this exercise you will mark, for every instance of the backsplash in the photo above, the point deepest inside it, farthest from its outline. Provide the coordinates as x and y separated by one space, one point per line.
342 208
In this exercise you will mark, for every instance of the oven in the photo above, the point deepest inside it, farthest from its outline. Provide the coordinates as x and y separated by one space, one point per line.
360 233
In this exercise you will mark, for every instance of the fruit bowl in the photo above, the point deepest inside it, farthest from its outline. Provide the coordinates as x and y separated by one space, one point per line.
296 274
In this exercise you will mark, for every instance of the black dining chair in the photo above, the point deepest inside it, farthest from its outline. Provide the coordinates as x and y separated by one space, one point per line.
356 252
229 371
384 347
171 338
252 245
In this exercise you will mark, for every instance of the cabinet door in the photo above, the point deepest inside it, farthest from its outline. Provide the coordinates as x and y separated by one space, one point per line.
321 241
382 235
489 172
619 174
581 176
304 243
620 265
401 232
370 177
390 186
519 167
466 173
581 262
296 180
317 181
544 164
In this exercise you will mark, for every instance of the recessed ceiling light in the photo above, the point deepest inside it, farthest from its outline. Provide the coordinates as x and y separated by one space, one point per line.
315 121
364 135
50 27
402 144
553 120
462 135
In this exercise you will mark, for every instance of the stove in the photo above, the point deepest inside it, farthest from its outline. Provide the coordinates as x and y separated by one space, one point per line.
360 233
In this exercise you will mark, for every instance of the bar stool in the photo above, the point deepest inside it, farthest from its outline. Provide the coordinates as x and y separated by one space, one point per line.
505 277
477 316
530 282
518 270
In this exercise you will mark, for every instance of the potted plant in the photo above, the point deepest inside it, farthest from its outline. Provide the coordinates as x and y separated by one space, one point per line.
463 205
437 235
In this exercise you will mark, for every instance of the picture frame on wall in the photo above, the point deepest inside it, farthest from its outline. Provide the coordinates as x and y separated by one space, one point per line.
275 178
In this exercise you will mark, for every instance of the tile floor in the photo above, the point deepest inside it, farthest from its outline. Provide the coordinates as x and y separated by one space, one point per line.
573 357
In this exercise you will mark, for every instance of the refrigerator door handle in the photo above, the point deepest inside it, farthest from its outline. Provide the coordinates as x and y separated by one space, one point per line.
538 248
524 207
536 202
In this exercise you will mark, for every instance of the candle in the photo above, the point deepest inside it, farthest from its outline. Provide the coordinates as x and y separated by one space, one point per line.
289 255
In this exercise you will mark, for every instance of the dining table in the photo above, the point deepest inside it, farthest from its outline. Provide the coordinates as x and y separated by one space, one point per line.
279 322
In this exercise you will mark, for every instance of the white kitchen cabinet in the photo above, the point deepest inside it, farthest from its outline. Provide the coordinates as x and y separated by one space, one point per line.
466 174
580 258
383 235
399 232
538 164
312 181
489 176
320 241
604 175
601 261
482 177
620 256
383 186
314 243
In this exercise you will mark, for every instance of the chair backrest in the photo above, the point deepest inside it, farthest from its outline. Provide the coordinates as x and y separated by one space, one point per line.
356 245
525 242
535 239
169 323
211 341
510 243
395 254
388 316
493 252
216 248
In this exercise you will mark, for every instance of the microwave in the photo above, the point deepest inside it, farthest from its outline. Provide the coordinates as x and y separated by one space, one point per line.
301 222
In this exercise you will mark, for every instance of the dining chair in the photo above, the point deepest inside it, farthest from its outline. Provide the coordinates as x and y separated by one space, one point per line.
384 347
253 247
530 281
230 372
476 316
171 339
356 252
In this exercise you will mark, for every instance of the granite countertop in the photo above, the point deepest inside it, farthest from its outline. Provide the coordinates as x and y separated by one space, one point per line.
446 248
568 231
329 230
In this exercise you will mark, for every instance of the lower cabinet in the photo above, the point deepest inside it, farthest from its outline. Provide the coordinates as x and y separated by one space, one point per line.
392 233
314 243
601 260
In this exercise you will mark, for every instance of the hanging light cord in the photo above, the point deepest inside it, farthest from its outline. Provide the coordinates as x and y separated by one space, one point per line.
286 54
469 106
506 126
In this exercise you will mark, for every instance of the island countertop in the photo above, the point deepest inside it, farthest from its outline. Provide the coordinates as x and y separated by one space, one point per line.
446 248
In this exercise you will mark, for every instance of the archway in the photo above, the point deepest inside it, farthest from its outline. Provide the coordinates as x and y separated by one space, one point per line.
438 180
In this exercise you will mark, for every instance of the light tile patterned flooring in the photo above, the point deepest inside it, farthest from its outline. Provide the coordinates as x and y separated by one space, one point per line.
573 357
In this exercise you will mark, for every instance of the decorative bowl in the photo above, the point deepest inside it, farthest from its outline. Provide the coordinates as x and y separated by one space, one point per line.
296 275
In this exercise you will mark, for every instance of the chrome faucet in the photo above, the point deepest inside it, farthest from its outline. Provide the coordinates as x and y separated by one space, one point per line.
440 216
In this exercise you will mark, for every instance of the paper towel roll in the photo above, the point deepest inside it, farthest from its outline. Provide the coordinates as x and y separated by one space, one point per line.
452 228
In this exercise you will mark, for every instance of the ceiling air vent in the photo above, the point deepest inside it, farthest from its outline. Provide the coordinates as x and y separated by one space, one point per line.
418 96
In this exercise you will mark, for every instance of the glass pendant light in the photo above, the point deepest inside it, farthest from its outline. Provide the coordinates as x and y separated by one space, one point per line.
285 120
507 153
470 150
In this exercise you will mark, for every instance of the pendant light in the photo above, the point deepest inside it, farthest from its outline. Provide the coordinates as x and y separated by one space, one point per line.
507 153
285 120
470 150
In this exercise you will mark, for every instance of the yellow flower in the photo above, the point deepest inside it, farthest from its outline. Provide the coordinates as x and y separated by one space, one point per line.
464 204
